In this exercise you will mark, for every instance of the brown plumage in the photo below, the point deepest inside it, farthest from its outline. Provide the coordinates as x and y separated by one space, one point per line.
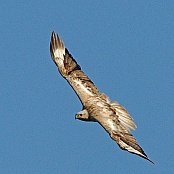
96 106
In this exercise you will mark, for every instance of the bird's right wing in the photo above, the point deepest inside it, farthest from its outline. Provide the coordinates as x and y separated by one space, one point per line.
117 122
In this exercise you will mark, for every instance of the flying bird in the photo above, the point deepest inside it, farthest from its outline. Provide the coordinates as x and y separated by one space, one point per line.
97 107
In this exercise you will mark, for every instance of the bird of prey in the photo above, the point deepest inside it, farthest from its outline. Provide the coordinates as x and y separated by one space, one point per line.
96 106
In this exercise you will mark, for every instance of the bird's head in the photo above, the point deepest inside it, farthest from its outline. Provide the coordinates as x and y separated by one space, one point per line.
82 115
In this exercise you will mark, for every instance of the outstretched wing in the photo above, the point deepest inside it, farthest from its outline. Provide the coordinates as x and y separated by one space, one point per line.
70 70
121 123
117 122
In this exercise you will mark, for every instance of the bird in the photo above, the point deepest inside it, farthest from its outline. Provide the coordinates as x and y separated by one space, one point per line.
96 106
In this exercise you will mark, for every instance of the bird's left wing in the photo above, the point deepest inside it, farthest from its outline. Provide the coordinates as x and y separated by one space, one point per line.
70 70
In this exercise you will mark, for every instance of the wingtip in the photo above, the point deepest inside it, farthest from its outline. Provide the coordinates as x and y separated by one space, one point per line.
53 34
57 49
143 155
151 161
56 41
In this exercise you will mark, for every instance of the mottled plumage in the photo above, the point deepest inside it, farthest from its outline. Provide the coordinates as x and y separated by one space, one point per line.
96 106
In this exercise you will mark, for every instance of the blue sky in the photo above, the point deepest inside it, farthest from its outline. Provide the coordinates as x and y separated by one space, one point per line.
125 47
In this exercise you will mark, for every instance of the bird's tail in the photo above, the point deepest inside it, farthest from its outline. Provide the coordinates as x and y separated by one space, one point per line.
126 141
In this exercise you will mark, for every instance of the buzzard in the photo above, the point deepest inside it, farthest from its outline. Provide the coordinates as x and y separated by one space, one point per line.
96 106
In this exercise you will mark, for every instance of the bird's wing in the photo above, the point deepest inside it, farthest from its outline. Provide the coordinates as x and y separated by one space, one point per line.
117 122
123 116
120 113
70 70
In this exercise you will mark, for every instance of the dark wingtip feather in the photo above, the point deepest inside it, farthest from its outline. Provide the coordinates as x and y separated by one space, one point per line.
55 43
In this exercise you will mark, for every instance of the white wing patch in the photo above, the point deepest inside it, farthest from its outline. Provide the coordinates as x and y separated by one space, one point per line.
59 56
59 53
57 49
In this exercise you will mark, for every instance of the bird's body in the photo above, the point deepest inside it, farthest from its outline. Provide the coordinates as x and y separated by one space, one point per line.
96 106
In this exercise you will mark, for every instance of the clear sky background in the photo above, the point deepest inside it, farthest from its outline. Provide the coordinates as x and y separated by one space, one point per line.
125 47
